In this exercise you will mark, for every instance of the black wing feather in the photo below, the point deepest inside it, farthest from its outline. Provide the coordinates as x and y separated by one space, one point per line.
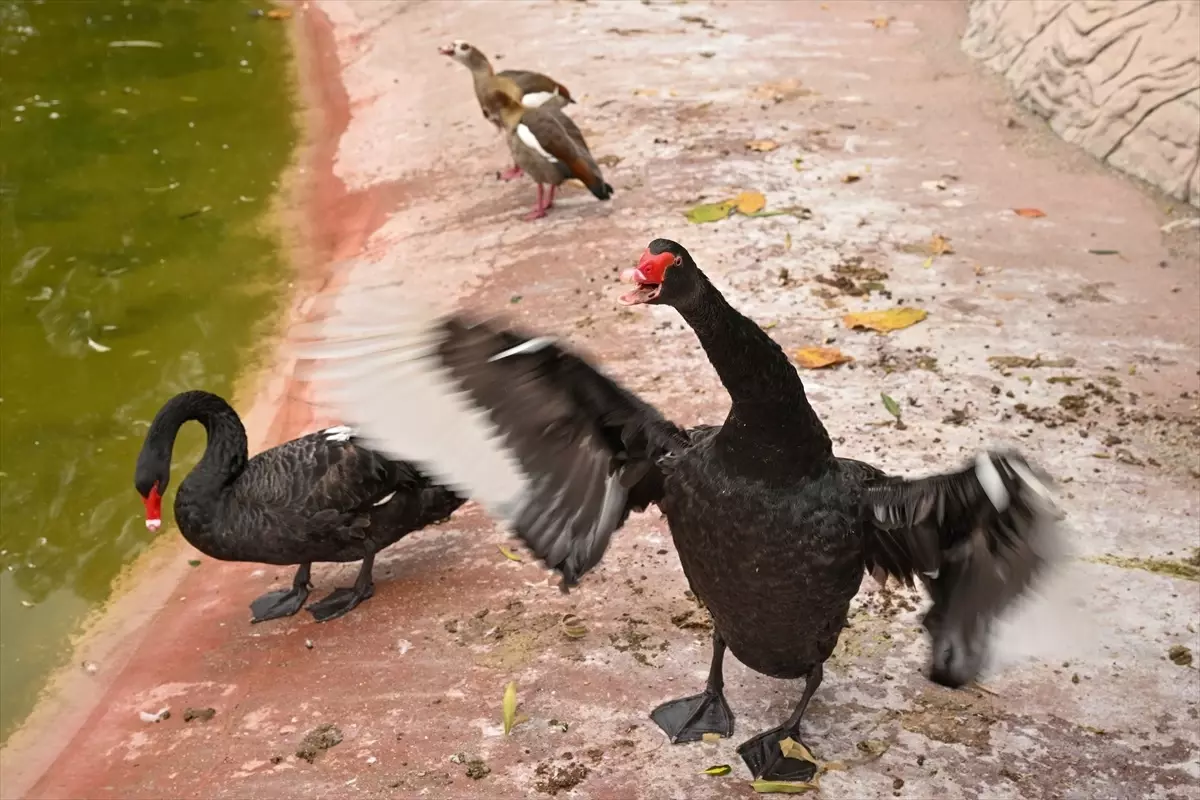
575 430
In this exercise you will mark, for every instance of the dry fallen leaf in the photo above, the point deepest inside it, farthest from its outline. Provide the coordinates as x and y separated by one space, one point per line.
509 706
761 145
793 749
938 246
509 554
750 202
782 787
820 357
787 241
711 737
781 91
645 92
1029 213
893 319
279 13
881 22
873 747
718 769
851 178
710 212
798 164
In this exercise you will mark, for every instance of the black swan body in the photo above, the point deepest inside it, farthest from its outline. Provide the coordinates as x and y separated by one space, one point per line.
321 497
773 531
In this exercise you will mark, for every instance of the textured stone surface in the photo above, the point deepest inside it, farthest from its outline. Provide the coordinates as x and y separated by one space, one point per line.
1119 78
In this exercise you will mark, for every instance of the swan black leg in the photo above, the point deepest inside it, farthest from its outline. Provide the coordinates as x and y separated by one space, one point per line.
340 601
689 718
763 755
283 603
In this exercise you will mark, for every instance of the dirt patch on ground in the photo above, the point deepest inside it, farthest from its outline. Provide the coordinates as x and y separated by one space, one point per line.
555 778
318 740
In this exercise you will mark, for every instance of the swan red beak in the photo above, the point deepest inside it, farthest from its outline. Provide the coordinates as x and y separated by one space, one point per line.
153 503
648 275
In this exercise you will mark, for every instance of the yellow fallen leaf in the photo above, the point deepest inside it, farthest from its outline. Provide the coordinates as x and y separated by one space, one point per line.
509 554
793 749
761 145
782 787
509 706
645 92
824 6
787 241
1029 213
710 212
279 13
881 22
750 202
851 178
798 164
893 319
820 357
711 737
718 769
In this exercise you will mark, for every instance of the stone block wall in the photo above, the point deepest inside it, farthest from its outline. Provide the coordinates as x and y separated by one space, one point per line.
1119 78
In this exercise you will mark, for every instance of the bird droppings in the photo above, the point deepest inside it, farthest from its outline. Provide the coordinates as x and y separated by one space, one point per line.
553 778
318 740
201 714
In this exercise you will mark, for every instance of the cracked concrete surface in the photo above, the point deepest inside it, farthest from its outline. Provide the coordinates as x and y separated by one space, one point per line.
1082 700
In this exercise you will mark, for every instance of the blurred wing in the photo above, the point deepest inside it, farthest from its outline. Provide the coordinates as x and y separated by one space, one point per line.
536 435
977 537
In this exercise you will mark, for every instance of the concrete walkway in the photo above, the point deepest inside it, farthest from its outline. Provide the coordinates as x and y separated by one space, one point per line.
888 136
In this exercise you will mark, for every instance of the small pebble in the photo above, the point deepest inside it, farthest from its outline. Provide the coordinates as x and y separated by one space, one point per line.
308 643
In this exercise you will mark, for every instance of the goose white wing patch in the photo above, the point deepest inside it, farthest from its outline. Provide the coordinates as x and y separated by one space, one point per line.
535 99
529 140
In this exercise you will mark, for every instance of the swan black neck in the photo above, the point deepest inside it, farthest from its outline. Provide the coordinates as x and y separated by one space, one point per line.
224 458
768 395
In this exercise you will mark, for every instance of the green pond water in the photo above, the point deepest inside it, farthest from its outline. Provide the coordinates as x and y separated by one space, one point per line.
141 143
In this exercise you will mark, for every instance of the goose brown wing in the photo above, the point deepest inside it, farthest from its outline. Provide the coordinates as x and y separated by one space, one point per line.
539 437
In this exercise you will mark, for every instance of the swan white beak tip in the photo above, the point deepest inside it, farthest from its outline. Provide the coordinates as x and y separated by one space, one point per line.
153 525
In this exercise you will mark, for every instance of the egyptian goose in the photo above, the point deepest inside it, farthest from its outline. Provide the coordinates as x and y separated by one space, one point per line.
534 88
547 145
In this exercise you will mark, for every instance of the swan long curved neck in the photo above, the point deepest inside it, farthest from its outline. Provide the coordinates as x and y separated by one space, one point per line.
226 452
767 392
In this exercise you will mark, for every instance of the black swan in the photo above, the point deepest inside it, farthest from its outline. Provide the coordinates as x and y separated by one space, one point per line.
322 497
773 531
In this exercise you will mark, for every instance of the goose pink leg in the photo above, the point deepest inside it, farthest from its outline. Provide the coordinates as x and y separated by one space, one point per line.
539 210
550 199
512 172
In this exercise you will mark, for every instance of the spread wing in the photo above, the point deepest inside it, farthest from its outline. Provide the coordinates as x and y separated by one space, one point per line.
538 436
977 538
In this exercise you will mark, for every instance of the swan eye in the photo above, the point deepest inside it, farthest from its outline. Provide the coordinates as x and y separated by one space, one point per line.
677 262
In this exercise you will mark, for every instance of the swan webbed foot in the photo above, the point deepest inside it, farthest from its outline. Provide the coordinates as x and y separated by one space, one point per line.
276 605
339 602
689 718
283 602
765 759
